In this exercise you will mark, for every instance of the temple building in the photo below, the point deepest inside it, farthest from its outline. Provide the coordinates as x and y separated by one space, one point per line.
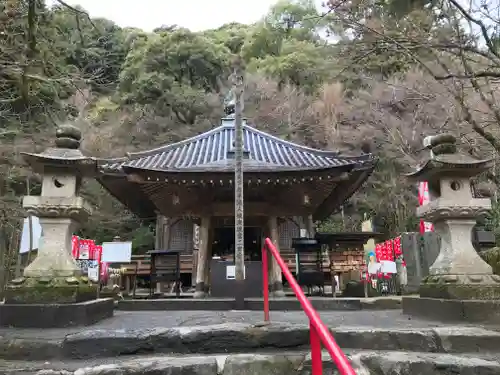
188 187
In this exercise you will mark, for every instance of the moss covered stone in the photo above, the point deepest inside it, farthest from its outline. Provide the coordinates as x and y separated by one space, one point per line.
50 290
460 291
492 257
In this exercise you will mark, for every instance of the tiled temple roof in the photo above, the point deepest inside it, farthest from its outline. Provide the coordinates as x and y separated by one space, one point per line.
211 151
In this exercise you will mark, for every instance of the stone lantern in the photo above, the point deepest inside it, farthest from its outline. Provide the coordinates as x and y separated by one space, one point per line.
53 281
459 278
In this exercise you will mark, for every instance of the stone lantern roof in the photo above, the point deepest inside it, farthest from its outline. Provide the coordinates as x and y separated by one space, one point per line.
65 156
446 161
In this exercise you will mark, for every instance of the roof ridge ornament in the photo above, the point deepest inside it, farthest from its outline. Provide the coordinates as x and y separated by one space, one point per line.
229 104
68 136
441 144
446 159
236 79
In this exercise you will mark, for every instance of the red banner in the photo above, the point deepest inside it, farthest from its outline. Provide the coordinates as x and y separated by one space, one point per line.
378 252
75 246
84 249
423 199
397 247
383 251
388 250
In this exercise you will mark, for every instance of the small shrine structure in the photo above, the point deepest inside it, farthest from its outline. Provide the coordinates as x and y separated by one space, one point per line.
460 284
188 187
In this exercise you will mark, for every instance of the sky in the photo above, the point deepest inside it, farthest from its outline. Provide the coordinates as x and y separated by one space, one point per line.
195 15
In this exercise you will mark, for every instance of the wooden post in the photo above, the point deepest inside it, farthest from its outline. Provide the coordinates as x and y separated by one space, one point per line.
167 232
196 246
208 267
308 220
239 226
127 284
135 279
275 275
202 257
194 267
159 232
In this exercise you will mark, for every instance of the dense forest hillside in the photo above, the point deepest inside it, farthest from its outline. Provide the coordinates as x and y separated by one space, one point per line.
353 76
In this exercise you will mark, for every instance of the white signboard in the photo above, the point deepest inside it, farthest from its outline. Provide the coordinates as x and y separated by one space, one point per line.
25 236
373 268
116 252
388 267
93 274
231 272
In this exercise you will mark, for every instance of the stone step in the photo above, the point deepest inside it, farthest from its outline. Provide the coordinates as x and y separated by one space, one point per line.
241 338
255 304
289 363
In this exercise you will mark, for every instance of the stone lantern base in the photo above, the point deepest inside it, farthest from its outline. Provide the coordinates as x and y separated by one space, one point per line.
53 303
461 287
453 310
26 290
460 298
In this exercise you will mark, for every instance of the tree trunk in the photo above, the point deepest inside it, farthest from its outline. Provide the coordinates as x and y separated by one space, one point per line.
3 261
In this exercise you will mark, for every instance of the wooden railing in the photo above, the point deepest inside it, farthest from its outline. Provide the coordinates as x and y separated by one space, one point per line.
319 333
307 260
142 264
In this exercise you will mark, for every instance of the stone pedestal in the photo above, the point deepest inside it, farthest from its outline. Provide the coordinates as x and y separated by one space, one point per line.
53 276
459 272
52 291
453 310
56 315
460 285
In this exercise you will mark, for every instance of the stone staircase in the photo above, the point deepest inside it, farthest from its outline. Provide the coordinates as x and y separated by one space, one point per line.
246 349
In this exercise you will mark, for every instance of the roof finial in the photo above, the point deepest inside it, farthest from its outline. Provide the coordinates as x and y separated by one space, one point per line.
441 144
229 104
68 136
237 81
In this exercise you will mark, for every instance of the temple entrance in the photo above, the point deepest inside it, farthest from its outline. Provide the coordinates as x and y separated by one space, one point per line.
222 269
223 244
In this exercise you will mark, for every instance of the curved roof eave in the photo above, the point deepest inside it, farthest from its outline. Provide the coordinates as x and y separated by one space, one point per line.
214 150
333 202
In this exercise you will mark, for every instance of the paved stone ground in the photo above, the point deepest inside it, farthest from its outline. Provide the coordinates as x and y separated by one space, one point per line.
25 367
151 319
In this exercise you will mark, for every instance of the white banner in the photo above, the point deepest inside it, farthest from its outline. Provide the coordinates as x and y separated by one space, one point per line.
36 232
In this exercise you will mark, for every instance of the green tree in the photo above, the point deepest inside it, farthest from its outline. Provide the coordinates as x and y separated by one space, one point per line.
174 70
299 63
96 47
287 45
231 35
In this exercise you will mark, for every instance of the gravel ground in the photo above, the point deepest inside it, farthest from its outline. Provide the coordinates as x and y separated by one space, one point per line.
152 319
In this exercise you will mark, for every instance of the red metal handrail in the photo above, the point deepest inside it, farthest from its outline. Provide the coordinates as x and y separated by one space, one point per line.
319 333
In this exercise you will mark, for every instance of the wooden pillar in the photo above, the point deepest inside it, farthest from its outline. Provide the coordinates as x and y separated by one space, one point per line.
275 276
309 224
194 271
162 242
208 267
159 232
196 246
203 253
127 284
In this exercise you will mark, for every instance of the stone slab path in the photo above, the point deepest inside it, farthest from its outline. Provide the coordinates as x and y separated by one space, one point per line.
286 363
236 343
152 319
